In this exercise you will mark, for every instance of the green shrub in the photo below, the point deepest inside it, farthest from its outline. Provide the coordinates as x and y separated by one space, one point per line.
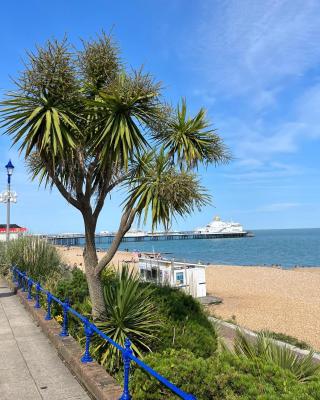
180 367
108 276
186 323
225 377
200 340
176 304
288 339
74 287
38 258
3 259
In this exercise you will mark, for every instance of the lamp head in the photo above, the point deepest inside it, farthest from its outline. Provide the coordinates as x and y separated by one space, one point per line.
10 168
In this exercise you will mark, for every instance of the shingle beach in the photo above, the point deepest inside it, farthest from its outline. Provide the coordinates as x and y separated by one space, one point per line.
284 301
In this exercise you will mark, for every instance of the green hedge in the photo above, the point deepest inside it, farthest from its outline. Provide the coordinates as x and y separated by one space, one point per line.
179 306
224 377
185 323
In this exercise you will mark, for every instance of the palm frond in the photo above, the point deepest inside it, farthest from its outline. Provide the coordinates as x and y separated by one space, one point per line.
130 313
124 112
190 140
38 124
265 348
158 187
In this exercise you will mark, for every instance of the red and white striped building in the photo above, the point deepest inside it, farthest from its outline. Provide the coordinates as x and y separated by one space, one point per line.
15 231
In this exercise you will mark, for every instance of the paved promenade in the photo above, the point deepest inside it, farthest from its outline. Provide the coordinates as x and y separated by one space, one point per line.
30 368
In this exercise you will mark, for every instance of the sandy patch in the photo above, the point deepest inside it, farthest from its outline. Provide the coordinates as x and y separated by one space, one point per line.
73 256
286 301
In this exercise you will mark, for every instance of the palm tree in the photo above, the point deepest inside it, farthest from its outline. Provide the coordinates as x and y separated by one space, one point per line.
87 126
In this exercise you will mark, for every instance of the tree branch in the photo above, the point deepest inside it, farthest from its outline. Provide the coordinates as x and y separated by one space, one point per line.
125 224
79 174
117 182
65 193
100 203
107 189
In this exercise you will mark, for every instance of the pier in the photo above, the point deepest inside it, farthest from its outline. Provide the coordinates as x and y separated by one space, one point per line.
75 239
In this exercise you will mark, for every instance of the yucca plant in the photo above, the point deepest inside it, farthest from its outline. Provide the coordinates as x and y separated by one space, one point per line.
130 313
264 348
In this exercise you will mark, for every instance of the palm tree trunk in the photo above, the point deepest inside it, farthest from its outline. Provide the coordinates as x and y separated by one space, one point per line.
96 295
90 262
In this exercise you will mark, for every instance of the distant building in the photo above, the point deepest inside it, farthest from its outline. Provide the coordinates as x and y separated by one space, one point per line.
15 231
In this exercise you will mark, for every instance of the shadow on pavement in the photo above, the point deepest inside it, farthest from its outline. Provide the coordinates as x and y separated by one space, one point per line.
8 294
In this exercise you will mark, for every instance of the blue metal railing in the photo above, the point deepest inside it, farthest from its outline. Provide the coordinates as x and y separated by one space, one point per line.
26 284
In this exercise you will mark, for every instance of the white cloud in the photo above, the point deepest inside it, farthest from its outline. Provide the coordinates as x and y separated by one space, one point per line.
206 96
249 163
265 171
276 207
265 144
258 144
254 53
250 46
307 110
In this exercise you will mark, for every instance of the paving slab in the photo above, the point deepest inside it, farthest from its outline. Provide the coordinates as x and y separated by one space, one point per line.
30 368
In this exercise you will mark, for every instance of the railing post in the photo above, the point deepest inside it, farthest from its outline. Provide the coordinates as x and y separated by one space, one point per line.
29 289
24 281
86 358
19 281
15 275
37 304
64 330
126 361
49 301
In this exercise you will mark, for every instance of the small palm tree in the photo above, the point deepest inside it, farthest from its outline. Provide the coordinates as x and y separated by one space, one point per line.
87 126
130 313
264 348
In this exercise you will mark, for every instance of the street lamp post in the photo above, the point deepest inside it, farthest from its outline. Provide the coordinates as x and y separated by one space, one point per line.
10 169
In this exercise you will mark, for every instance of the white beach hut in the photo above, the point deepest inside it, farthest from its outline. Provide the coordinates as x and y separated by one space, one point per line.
189 277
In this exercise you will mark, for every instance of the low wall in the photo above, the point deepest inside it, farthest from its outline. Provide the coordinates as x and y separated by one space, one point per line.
99 384
228 331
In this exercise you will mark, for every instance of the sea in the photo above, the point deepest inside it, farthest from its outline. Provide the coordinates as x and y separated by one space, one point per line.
287 248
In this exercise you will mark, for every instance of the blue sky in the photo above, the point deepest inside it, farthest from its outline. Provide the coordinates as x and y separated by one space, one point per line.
253 64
